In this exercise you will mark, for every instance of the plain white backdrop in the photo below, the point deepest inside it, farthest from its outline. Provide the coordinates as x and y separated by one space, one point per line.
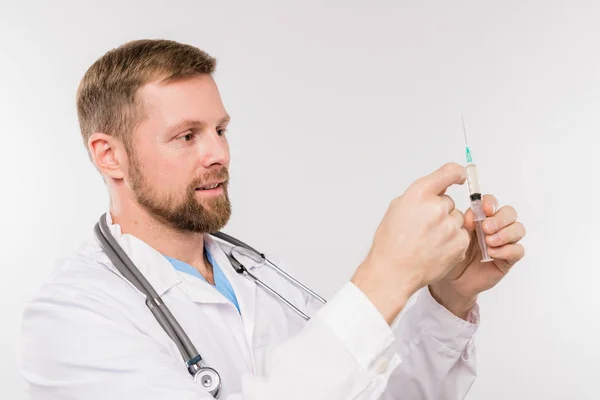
336 109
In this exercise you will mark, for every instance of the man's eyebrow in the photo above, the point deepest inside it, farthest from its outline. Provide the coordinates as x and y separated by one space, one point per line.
188 123
225 120
185 124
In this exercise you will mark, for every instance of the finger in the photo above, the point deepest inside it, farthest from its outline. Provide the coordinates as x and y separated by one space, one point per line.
447 203
504 217
511 234
469 224
462 242
457 217
440 180
511 253
490 205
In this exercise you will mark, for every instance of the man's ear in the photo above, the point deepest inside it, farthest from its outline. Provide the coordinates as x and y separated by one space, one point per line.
107 153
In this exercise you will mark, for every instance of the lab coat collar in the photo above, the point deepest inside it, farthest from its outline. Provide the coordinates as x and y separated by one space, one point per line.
244 289
161 274
152 264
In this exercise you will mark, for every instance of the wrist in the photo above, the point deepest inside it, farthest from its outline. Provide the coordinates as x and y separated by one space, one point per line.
454 302
388 297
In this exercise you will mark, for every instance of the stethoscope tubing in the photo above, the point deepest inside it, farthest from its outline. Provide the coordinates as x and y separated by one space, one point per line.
158 308
161 312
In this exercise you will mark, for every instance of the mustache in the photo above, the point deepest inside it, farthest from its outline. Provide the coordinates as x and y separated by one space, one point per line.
221 175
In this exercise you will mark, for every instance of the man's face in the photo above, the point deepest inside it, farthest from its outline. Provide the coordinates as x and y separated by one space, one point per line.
180 152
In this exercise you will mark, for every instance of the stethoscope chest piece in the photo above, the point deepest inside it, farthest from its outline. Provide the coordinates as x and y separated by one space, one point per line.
209 379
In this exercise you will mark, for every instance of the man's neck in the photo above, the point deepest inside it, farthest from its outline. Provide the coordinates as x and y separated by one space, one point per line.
183 246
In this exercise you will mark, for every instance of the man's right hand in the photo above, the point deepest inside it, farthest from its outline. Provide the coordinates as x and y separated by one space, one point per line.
419 240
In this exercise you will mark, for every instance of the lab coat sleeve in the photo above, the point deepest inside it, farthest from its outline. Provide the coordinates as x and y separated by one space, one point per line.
79 344
437 351
346 352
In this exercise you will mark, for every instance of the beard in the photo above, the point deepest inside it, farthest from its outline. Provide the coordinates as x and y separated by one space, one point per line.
184 212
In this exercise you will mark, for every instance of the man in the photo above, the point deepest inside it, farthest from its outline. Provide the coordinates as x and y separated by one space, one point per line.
155 127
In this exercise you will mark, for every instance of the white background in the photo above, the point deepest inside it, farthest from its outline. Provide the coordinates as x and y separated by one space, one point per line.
336 109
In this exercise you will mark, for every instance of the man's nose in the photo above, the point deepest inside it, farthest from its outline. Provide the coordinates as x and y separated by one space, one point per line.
215 150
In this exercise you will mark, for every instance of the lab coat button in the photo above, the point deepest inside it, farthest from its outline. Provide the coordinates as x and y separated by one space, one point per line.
382 365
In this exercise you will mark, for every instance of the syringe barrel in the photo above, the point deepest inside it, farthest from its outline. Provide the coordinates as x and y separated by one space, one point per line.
477 207
473 179
478 218
485 256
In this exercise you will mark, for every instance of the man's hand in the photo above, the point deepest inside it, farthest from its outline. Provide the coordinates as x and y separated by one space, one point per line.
420 239
458 290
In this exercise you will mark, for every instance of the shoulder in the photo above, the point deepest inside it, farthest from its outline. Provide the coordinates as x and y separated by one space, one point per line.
85 328
82 298
82 280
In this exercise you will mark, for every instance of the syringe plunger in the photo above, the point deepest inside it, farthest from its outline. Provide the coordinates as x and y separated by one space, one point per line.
485 256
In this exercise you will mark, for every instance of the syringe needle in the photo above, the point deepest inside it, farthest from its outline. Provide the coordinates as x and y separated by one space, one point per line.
469 157
464 129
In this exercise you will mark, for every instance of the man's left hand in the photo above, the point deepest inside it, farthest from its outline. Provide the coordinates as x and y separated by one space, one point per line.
458 290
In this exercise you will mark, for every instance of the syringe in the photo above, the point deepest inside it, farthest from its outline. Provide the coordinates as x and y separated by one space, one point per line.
476 200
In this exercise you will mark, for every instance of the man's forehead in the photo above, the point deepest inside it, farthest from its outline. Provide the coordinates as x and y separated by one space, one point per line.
190 98
160 89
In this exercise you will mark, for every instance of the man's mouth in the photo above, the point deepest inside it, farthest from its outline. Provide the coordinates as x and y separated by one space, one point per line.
210 186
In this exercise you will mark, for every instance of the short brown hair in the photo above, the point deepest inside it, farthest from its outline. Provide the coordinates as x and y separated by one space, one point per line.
106 97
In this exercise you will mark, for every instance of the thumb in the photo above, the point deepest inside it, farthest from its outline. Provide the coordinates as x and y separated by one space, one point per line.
438 181
490 205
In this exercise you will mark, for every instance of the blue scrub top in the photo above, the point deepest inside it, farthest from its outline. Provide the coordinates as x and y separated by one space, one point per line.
221 282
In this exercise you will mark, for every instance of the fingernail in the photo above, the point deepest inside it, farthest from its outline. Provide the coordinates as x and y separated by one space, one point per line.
494 208
489 225
493 239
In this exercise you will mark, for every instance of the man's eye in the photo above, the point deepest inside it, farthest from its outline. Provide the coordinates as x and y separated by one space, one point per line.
221 131
188 137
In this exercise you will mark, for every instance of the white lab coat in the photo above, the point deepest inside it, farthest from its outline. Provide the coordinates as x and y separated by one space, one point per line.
87 334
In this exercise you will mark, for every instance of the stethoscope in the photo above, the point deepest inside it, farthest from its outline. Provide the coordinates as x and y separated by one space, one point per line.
207 376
